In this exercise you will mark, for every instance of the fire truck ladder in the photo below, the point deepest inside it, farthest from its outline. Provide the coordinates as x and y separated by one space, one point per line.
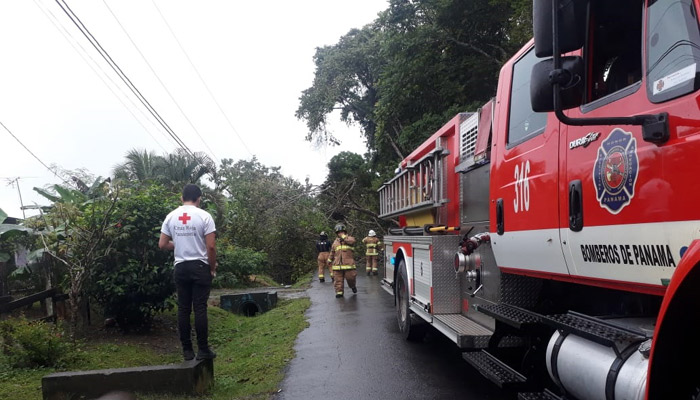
419 186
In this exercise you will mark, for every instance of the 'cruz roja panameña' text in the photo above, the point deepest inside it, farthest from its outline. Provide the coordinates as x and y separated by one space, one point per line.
185 230
631 254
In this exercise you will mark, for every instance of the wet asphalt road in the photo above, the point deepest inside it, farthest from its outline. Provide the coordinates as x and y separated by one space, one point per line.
353 350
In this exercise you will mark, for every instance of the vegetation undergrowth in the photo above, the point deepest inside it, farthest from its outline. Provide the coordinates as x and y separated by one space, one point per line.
251 355
304 281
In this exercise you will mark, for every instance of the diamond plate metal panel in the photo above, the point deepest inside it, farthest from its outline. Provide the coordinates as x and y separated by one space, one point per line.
521 291
490 279
446 284
463 325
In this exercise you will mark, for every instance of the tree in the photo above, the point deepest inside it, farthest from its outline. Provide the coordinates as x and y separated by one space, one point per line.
173 170
413 68
347 194
140 165
346 78
77 232
271 213
180 167
15 238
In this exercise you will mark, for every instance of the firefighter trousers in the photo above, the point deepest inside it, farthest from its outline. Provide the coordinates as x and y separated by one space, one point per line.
372 263
339 283
323 263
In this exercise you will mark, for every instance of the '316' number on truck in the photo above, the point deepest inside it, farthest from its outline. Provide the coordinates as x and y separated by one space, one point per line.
522 187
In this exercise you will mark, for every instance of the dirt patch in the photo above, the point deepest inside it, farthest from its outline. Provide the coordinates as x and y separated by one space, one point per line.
161 338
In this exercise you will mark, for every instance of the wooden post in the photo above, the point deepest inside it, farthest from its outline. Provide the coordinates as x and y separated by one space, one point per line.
49 301
3 281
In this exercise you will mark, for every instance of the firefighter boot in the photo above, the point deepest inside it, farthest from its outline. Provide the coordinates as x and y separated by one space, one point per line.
350 276
375 272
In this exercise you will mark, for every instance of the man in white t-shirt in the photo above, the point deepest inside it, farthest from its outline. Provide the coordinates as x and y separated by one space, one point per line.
191 233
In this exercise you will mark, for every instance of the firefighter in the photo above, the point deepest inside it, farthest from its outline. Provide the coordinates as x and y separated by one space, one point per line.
342 261
372 242
323 246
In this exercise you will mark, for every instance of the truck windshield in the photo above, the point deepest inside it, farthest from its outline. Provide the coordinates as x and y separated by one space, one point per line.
673 51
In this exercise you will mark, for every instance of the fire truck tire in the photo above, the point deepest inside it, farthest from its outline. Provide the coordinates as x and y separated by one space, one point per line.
411 329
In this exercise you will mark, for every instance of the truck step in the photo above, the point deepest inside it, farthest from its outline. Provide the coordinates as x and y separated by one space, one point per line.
546 395
595 329
466 333
495 370
387 286
514 316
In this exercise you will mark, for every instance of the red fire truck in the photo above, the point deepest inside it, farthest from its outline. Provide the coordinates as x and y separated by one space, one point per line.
553 233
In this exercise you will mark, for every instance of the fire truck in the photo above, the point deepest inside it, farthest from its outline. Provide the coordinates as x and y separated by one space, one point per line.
553 233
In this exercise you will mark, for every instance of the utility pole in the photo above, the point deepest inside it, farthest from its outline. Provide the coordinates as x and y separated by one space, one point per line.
13 182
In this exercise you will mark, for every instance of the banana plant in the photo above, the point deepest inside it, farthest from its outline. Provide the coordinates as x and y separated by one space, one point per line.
7 231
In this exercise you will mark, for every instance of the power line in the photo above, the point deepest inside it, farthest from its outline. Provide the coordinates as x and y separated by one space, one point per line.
33 155
66 35
96 44
158 78
201 78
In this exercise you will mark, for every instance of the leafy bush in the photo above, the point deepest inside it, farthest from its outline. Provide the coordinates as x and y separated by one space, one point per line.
28 344
132 293
136 280
236 264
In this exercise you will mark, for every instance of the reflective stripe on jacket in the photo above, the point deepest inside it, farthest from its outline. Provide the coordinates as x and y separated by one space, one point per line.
373 244
341 257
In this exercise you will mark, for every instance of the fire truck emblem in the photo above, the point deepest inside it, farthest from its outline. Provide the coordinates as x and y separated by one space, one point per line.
615 172
660 85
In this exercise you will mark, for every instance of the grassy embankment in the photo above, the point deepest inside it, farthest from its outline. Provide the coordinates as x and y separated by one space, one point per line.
252 353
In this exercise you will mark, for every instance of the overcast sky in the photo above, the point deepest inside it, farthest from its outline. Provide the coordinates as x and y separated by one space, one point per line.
61 99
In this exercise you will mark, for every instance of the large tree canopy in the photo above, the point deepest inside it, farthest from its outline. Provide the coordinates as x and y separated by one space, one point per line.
406 73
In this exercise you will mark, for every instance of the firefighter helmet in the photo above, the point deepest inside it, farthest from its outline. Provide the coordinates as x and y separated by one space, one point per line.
339 227
323 233
371 233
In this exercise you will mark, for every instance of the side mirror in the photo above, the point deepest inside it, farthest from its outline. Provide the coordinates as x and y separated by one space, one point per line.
572 25
542 90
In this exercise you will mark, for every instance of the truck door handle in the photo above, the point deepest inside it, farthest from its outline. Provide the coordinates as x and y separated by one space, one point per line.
499 216
575 205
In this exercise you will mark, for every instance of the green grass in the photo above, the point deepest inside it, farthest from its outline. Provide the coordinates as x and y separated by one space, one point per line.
26 383
251 355
304 281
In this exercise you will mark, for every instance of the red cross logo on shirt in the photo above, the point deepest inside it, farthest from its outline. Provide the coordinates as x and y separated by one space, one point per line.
184 218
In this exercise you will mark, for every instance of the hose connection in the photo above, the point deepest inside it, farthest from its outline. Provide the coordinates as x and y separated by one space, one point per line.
468 245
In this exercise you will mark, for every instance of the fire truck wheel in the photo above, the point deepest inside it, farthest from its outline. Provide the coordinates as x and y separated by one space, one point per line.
410 328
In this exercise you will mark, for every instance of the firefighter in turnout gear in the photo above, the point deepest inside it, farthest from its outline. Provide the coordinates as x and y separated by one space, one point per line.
372 242
323 246
342 261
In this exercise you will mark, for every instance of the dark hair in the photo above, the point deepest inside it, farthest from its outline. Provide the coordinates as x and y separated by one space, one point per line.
191 193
